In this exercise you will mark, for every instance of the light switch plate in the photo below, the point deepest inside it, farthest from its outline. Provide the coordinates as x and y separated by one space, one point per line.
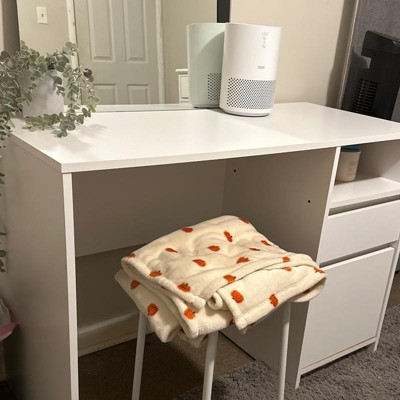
41 15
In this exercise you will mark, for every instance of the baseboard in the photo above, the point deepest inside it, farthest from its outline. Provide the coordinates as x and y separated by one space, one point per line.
107 333
100 335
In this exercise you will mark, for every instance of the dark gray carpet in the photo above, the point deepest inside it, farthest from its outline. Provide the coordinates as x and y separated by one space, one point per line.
360 376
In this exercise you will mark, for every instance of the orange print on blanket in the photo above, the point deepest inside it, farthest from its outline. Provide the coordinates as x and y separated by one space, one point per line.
228 236
170 250
241 260
200 262
132 255
230 278
187 230
286 259
152 309
254 249
184 287
154 274
244 220
214 248
134 284
265 242
189 314
237 296
287 268
319 270
273 299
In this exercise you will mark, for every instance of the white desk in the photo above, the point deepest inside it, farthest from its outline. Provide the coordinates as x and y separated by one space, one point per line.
126 178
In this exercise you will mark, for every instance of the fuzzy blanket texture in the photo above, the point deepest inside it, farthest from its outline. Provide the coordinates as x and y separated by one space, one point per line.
203 278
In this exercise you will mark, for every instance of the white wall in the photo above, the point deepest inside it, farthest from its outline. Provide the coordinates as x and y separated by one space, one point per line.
43 37
9 37
313 48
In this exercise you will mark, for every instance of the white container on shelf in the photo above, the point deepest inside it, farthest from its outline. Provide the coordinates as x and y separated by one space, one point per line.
347 166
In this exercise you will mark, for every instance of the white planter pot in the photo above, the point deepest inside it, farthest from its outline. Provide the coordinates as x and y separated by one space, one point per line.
44 100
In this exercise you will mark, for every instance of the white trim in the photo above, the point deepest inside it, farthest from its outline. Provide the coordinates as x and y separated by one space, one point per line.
72 29
71 283
348 54
110 332
160 52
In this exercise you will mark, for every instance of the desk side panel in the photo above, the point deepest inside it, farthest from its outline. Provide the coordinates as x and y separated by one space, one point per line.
285 197
39 284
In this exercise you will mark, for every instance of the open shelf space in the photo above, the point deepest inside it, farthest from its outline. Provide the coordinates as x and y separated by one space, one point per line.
363 189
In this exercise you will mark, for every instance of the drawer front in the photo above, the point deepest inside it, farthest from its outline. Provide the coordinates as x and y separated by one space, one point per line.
358 230
348 309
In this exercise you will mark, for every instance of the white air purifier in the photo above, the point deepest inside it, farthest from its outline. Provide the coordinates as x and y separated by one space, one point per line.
249 69
205 48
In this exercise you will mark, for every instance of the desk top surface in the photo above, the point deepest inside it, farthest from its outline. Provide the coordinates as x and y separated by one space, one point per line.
134 139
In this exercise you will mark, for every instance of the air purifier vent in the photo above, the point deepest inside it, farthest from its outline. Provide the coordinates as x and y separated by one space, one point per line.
214 85
250 93
365 97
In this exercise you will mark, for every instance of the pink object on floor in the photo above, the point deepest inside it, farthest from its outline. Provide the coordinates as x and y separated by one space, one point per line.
6 330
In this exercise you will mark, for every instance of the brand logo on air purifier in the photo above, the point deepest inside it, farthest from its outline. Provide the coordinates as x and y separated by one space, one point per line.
264 36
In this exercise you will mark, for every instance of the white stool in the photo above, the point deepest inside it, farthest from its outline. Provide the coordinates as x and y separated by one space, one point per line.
212 342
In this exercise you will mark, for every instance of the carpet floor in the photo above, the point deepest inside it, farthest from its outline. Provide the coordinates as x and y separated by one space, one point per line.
360 376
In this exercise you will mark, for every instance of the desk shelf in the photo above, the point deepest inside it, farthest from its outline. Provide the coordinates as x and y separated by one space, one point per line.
365 188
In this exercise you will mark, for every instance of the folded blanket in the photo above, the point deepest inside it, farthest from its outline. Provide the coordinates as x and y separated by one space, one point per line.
203 278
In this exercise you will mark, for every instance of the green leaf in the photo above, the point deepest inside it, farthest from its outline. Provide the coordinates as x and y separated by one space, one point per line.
4 54
57 79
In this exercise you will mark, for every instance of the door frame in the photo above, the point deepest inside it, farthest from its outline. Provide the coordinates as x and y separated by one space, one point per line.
159 38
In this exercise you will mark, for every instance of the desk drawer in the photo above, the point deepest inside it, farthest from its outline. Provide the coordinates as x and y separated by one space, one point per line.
348 309
359 230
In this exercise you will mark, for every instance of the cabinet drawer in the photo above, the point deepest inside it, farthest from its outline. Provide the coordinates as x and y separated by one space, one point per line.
358 230
348 309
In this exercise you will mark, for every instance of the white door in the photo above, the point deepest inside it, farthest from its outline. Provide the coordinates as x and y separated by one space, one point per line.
117 40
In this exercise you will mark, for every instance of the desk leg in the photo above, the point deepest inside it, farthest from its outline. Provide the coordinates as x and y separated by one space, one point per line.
39 285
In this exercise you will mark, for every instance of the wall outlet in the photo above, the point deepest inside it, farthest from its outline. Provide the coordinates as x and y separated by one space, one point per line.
41 15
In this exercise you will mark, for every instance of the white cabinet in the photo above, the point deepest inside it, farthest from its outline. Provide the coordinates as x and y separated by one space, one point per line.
354 239
346 312
358 250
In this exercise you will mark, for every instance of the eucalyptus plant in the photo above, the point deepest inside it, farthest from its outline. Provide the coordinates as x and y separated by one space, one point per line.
28 65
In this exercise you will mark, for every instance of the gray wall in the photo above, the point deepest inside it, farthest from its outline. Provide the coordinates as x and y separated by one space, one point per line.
9 37
382 16
176 15
48 37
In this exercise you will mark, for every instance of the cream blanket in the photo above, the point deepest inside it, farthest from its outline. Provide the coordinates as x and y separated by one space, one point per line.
203 278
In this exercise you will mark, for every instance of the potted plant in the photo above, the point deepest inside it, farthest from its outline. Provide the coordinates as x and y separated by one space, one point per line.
26 71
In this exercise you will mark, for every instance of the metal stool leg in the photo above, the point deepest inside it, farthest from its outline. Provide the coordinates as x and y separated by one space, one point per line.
283 351
209 365
137 376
